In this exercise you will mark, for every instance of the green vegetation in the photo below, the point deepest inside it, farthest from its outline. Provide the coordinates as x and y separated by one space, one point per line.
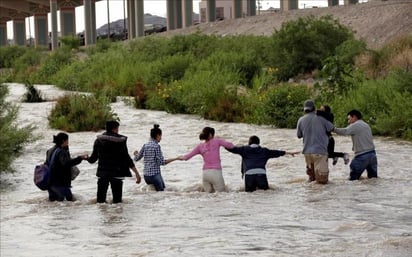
12 137
253 79
80 113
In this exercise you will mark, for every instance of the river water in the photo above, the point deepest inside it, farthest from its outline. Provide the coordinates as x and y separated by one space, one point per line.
293 218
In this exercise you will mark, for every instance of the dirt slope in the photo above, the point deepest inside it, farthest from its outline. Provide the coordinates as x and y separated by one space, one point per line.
377 22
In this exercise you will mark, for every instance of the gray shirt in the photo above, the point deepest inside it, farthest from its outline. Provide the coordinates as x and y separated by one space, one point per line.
361 136
314 131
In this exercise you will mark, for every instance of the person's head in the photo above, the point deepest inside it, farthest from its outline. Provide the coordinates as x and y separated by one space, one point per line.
156 132
254 140
354 115
207 133
325 108
308 106
61 139
112 126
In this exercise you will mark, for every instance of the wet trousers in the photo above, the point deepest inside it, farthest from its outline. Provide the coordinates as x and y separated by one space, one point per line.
59 193
103 185
213 181
317 167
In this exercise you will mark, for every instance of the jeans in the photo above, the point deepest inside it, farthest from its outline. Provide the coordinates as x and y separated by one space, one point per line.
58 193
116 186
364 161
155 180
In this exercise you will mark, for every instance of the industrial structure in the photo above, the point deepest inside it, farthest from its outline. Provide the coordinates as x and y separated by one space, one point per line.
179 15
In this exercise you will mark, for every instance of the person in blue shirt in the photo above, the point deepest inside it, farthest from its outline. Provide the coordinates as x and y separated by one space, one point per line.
254 159
153 159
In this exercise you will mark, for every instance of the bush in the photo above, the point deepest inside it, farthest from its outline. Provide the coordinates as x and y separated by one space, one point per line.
49 67
281 106
171 68
26 64
67 80
9 54
32 95
74 113
70 42
386 104
301 45
12 137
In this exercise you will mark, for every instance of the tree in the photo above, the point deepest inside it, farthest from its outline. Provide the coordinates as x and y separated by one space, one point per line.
301 45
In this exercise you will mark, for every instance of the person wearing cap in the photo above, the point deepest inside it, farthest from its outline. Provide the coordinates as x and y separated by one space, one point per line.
314 131
254 159
110 148
363 146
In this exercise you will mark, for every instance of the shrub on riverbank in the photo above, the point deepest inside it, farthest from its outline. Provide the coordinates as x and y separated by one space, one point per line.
32 94
12 136
386 105
80 113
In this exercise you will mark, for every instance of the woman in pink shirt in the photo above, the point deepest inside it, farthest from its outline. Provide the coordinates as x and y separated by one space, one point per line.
210 150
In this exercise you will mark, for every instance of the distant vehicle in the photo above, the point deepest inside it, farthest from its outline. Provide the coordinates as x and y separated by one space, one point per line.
154 28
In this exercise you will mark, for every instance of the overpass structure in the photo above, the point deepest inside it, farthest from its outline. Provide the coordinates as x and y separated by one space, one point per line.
179 15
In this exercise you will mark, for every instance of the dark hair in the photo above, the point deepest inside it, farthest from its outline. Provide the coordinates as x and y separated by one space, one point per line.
155 131
206 132
356 113
60 138
111 124
327 108
254 140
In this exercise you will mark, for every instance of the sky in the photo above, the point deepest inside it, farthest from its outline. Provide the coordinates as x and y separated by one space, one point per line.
154 7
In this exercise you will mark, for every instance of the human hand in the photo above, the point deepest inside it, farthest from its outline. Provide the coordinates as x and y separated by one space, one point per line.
292 153
135 152
138 178
84 156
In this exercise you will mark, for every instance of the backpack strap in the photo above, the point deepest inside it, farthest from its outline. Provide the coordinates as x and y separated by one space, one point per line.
55 152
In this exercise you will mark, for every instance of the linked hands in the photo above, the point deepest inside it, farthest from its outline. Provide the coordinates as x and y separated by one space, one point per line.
292 153
84 156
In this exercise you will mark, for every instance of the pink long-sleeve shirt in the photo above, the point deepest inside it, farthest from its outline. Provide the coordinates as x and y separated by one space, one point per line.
210 152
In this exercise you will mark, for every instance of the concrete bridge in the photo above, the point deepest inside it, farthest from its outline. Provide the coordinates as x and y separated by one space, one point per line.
179 15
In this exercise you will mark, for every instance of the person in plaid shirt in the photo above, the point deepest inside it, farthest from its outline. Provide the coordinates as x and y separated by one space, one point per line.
153 159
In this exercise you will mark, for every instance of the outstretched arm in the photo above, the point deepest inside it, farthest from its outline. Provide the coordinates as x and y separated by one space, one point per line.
173 159
292 153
